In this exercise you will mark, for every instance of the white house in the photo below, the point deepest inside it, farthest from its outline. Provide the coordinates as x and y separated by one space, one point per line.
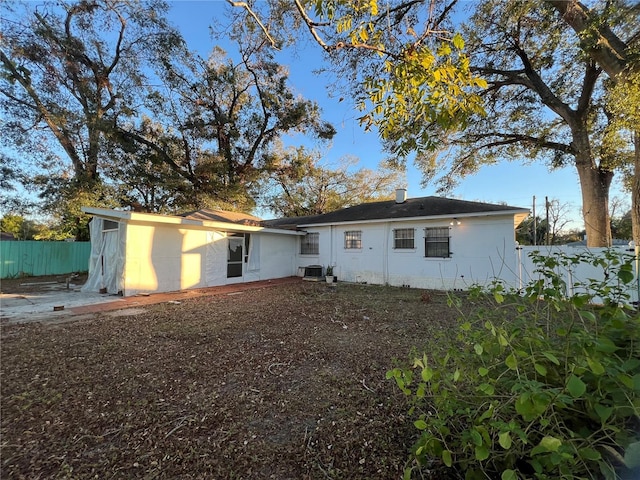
428 242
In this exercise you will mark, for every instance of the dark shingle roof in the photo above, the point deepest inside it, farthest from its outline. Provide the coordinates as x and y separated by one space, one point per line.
412 207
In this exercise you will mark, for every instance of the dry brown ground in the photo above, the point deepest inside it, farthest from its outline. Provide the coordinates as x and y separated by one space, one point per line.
39 284
286 382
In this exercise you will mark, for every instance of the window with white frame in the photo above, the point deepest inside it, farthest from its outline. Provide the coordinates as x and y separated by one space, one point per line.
436 242
403 238
310 244
353 239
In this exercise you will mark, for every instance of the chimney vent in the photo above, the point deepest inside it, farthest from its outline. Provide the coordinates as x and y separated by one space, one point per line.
401 195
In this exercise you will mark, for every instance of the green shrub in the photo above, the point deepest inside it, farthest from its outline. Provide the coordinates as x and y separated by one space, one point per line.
539 385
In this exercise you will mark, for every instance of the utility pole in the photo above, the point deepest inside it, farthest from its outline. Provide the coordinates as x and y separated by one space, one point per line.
535 223
546 204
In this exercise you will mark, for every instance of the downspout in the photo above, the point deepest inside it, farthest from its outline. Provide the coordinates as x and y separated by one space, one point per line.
385 253
332 251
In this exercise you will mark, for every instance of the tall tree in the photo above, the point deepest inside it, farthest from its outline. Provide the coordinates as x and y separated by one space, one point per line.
220 118
305 186
617 54
543 102
400 60
72 69
542 99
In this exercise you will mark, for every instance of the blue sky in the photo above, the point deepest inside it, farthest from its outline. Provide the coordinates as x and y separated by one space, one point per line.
512 182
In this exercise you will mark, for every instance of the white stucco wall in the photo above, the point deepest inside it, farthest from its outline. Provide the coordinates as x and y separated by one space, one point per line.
483 248
165 258
277 258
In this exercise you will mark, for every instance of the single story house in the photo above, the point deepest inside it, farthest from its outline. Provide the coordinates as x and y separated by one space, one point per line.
428 242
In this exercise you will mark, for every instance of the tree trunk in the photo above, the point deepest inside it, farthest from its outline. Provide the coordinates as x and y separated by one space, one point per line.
595 201
595 183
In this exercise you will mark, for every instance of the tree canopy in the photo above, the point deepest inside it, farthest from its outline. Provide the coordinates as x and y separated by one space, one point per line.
69 72
544 98
115 110
215 122
402 62
309 187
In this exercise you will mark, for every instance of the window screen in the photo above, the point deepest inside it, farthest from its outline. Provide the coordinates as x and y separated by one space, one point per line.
403 238
309 244
436 242
353 239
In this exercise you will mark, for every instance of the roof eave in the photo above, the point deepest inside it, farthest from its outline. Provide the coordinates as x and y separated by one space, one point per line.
176 220
514 212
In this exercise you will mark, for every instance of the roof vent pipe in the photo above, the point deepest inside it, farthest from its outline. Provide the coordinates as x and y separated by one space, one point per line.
401 195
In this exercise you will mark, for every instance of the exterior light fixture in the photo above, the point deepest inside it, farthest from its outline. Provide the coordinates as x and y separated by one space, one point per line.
455 221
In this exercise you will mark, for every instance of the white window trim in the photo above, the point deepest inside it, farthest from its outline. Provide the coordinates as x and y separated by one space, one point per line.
400 249
352 249
432 258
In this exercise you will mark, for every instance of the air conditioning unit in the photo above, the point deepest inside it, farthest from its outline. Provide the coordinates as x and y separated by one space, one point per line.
313 273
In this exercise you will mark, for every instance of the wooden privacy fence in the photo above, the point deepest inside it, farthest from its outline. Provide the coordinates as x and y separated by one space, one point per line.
30 258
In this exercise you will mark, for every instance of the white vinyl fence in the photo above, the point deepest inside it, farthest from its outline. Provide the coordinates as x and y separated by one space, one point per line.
578 276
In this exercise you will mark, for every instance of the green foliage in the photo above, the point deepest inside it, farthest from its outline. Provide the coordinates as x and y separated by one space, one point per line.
427 88
20 227
303 185
539 385
623 100
63 199
621 227
403 64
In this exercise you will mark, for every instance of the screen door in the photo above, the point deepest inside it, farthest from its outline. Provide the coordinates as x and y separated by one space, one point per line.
235 256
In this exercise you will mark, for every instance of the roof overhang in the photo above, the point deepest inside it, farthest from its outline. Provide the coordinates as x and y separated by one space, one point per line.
518 215
138 217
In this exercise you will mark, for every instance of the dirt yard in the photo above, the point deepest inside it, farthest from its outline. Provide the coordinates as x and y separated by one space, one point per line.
40 284
286 382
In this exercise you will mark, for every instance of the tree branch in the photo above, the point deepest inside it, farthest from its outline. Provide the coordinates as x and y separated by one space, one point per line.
133 136
61 135
542 89
591 75
606 48
503 139
253 14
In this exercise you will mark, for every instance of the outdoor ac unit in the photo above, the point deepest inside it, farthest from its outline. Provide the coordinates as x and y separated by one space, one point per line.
313 272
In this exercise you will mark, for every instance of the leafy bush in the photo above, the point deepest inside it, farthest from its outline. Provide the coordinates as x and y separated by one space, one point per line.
539 385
